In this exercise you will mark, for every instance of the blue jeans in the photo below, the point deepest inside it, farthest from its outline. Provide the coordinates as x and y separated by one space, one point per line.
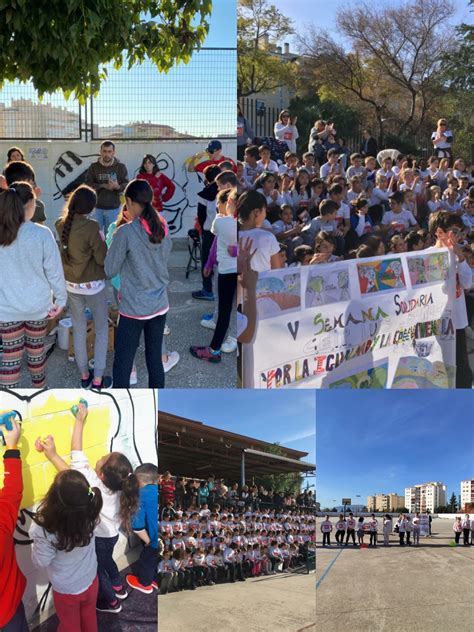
107 570
146 566
105 217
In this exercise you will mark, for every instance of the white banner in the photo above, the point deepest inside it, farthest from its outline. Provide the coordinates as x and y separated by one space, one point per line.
424 524
382 322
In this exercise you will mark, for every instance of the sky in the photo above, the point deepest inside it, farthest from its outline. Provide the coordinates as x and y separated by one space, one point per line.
383 441
286 417
323 13
185 98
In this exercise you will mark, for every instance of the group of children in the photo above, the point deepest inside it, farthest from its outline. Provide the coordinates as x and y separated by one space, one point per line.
205 546
75 529
406 526
304 213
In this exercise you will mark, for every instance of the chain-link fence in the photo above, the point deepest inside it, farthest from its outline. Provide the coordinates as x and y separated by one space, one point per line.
196 100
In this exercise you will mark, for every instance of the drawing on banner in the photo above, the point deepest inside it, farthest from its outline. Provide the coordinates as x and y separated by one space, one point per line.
69 172
277 295
428 268
380 276
326 285
374 377
413 372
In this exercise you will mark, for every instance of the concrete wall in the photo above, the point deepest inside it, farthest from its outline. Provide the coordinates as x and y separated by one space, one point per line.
120 424
60 166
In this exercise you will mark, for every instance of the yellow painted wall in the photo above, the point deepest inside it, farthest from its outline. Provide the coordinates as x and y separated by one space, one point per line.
53 417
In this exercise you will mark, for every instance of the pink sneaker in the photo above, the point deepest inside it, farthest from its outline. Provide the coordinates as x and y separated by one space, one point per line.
204 353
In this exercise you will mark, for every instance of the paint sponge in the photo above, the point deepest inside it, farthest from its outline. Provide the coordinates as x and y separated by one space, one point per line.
75 408
6 418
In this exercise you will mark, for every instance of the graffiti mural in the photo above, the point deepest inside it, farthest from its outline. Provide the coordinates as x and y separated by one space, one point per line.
119 421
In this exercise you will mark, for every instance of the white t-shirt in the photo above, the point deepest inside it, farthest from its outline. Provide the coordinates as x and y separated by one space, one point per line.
225 228
271 166
109 515
343 213
399 222
378 196
278 200
326 170
287 133
211 210
266 246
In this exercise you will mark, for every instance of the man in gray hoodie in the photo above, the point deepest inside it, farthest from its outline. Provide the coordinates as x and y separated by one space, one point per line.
109 177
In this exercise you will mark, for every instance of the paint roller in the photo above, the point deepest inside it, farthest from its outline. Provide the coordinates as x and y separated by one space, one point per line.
75 407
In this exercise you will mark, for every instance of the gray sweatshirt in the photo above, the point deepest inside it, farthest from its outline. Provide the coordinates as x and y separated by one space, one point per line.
69 573
143 270
30 273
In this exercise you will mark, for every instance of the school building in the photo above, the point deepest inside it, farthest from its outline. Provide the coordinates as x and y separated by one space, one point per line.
425 497
467 492
385 502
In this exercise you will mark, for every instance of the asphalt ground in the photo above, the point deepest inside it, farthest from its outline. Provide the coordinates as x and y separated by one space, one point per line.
429 588
184 322
284 602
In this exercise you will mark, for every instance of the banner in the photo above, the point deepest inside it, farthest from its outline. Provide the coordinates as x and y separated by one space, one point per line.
381 322
424 524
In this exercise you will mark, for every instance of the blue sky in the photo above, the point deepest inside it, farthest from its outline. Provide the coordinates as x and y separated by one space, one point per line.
383 441
286 417
323 13
198 98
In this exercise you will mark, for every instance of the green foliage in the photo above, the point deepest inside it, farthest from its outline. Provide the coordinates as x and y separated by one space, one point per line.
65 45
458 67
258 70
453 503
280 482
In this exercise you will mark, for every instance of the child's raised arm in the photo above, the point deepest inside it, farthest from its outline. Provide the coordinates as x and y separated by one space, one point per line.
11 493
80 416
48 446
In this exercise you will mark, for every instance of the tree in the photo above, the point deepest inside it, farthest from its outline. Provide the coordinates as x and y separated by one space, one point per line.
458 68
65 45
401 510
260 25
394 63
290 483
453 503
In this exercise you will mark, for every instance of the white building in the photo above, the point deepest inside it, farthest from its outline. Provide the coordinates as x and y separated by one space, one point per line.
425 497
467 492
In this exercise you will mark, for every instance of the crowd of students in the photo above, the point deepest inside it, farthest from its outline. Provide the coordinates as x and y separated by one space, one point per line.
313 208
127 246
231 538
75 529
407 527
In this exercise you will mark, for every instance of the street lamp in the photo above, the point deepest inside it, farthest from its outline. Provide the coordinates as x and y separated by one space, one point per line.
358 496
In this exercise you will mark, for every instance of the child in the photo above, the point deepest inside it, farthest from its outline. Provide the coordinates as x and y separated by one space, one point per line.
83 253
378 203
113 476
31 275
301 190
290 166
398 220
252 210
416 529
309 164
224 227
163 187
325 222
64 545
355 189
445 228
360 219
373 524
332 166
351 525
286 228
145 525
266 185
387 529
360 531
266 163
326 528
414 241
166 574
336 194
466 528
408 529
303 255
20 171
398 244
457 528
251 167
401 524
356 169
139 253
206 211
12 580
434 198
324 246
340 530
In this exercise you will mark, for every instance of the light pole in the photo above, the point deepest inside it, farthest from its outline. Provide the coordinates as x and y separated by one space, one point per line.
358 496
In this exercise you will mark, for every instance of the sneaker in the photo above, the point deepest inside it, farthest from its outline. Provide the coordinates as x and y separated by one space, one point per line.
229 345
114 608
204 353
105 384
132 581
87 382
133 376
173 359
166 331
207 321
202 295
155 585
120 592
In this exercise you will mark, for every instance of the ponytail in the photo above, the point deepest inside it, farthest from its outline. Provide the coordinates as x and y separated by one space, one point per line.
129 501
117 475
140 192
12 210
82 202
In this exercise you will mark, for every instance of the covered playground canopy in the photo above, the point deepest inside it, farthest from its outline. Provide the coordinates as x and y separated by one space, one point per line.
193 449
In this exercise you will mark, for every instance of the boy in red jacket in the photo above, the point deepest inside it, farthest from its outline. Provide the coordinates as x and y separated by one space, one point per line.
12 580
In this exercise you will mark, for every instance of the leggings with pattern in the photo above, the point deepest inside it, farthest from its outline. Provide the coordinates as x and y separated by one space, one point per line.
16 338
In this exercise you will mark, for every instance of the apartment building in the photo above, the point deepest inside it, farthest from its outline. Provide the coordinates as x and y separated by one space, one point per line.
425 497
467 492
385 502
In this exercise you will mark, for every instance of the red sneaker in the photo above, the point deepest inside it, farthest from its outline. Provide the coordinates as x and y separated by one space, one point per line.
204 353
133 582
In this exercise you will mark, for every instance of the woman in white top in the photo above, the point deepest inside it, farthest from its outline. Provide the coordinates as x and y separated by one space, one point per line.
285 129
442 140
387 529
